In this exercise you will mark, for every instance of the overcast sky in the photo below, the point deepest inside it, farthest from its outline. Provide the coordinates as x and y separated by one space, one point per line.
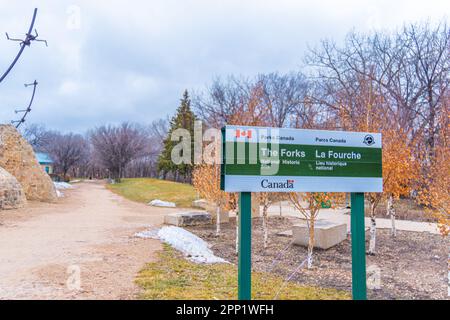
110 61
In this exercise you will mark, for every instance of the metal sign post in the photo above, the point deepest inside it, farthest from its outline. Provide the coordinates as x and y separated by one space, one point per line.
245 246
359 290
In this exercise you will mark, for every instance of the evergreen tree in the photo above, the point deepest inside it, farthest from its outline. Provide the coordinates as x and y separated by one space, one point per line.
184 118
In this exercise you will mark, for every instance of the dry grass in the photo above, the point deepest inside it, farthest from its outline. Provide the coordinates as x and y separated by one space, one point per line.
174 277
146 189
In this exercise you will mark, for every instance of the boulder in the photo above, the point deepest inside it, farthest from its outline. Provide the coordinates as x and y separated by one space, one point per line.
18 158
326 234
11 192
182 219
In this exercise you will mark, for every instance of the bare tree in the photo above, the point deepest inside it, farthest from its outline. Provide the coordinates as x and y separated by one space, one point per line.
38 136
388 83
67 151
283 94
146 164
269 99
224 100
116 146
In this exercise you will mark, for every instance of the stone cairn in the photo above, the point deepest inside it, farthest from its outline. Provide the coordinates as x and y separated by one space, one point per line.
17 158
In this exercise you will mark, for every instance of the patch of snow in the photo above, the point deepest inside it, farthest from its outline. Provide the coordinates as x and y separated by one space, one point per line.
63 185
59 194
195 248
160 203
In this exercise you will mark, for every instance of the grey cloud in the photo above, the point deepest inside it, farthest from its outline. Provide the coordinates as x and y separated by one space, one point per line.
131 60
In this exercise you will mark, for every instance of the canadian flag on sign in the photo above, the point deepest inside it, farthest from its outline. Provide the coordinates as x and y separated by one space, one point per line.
243 133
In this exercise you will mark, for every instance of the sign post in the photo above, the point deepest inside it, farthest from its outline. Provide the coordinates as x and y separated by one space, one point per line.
359 290
261 159
245 246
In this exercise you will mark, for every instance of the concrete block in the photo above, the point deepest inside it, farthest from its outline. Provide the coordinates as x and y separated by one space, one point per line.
182 219
326 234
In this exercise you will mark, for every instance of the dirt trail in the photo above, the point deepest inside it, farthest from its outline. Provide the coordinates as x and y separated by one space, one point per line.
89 232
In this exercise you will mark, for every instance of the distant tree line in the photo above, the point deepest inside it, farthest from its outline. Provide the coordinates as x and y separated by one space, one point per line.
111 151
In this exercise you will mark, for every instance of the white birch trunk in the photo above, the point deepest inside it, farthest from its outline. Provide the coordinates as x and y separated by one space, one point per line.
281 212
391 212
265 227
311 243
448 275
373 230
218 220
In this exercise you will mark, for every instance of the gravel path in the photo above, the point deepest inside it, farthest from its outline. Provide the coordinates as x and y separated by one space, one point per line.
89 232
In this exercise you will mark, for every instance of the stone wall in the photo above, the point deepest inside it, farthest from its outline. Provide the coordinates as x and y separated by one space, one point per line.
18 158
11 192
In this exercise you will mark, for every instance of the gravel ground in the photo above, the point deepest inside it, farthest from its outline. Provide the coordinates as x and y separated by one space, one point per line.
411 266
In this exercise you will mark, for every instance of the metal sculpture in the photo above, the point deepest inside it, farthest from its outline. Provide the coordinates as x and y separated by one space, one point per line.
29 37
27 41
23 43
26 111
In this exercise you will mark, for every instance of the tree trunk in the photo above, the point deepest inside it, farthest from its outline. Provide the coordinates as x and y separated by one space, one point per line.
265 228
373 230
448 274
218 220
391 212
281 213
311 243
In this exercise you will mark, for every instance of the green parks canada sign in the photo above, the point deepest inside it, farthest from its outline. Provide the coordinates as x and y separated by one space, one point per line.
261 159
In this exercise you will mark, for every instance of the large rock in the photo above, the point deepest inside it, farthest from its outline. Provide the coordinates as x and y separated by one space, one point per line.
18 158
326 234
11 192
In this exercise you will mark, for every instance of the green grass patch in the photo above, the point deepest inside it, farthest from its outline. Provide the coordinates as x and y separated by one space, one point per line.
146 189
174 277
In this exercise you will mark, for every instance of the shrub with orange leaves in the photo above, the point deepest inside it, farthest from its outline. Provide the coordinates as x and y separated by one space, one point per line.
206 180
435 194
